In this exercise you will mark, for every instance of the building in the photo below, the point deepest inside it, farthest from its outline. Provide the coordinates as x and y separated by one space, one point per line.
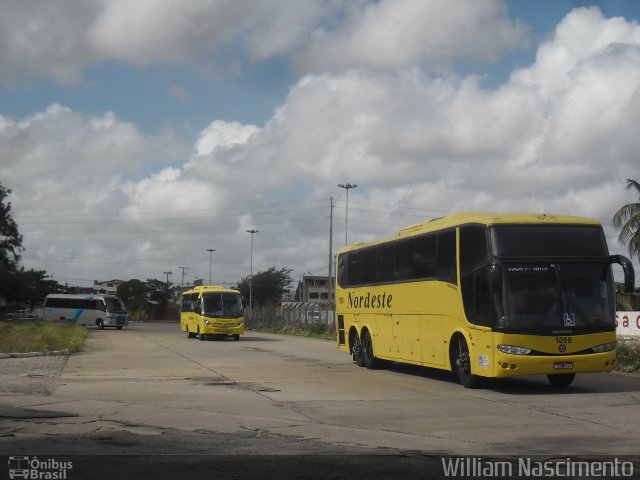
313 288
108 287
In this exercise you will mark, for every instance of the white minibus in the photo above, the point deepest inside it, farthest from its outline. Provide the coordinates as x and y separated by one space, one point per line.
86 309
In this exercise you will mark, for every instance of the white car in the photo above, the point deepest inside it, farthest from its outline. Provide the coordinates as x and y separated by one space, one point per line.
21 314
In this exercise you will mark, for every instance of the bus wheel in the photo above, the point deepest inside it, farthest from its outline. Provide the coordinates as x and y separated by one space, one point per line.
100 324
236 337
462 364
201 336
119 327
561 379
370 360
358 355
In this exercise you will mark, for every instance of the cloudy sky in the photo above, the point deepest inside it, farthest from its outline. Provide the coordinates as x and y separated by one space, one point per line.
135 135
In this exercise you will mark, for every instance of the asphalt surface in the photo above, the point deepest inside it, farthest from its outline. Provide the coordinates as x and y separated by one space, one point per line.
149 403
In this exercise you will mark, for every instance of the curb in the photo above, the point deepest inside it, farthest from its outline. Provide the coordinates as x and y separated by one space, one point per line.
34 354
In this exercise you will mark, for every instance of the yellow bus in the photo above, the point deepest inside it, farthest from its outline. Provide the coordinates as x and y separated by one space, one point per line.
212 311
484 295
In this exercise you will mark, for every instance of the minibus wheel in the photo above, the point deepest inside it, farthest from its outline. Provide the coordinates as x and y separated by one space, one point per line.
236 337
200 335
561 379
100 324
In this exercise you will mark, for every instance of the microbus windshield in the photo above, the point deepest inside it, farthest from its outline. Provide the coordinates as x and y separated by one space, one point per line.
222 305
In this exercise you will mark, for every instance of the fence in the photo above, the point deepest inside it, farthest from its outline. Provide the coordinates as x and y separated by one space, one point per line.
293 313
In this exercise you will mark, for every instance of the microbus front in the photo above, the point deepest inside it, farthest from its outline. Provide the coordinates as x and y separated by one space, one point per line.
212 311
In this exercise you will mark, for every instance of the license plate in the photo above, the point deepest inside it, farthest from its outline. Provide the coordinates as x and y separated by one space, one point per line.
563 365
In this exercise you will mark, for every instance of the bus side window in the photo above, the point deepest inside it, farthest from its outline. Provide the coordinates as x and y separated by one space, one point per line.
424 256
474 275
447 256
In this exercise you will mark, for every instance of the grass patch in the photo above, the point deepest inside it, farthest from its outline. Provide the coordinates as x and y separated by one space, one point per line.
314 330
38 336
628 358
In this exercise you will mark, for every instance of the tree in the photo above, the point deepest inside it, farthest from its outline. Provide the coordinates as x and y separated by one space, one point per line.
267 287
133 293
157 291
10 238
28 286
628 217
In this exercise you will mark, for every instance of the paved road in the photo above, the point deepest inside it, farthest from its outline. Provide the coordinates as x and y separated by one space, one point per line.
150 390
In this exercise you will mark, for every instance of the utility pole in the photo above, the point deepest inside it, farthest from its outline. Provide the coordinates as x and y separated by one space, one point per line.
252 231
182 281
167 274
329 289
210 250
346 216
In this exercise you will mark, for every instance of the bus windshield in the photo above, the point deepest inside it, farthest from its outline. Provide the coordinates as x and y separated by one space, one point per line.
114 304
558 296
224 304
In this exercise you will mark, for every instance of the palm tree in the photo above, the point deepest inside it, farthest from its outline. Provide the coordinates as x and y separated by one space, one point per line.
628 217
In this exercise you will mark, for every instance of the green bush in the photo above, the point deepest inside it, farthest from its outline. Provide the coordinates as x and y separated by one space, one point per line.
39 336
628 358
315 329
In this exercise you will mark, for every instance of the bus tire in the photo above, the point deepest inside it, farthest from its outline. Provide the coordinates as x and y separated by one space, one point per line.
356 350
201 336
370 360
236 337
561 379
461 363
119 327
100 324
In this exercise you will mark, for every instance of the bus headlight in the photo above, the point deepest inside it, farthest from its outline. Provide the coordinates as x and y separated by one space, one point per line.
605 347
513 350
208 323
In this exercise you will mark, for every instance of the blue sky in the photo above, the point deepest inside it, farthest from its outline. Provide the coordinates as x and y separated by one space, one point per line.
143 95
113 112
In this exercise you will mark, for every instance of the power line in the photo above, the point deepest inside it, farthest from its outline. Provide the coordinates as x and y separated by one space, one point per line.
164 212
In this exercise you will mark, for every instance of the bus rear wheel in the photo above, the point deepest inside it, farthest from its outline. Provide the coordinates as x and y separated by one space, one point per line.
369 358
561 379
461 364
100 324
356 350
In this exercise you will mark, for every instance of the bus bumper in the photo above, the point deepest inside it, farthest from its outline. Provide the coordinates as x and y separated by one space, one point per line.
516 365
222 329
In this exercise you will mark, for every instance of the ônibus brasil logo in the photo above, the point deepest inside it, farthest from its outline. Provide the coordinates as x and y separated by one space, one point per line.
35 469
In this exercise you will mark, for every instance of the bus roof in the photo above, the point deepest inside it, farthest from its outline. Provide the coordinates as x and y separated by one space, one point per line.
84 296
482 218
210 288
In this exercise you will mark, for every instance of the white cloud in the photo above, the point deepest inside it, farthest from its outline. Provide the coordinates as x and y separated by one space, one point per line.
59 41
399 33
558 137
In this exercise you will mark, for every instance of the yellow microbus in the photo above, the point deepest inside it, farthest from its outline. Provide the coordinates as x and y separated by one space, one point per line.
484 295
212 311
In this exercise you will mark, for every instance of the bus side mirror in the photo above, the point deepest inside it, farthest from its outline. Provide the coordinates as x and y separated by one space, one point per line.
629 274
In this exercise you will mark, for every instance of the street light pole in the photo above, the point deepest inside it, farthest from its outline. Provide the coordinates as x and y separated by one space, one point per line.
210 250
347 186
252 231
